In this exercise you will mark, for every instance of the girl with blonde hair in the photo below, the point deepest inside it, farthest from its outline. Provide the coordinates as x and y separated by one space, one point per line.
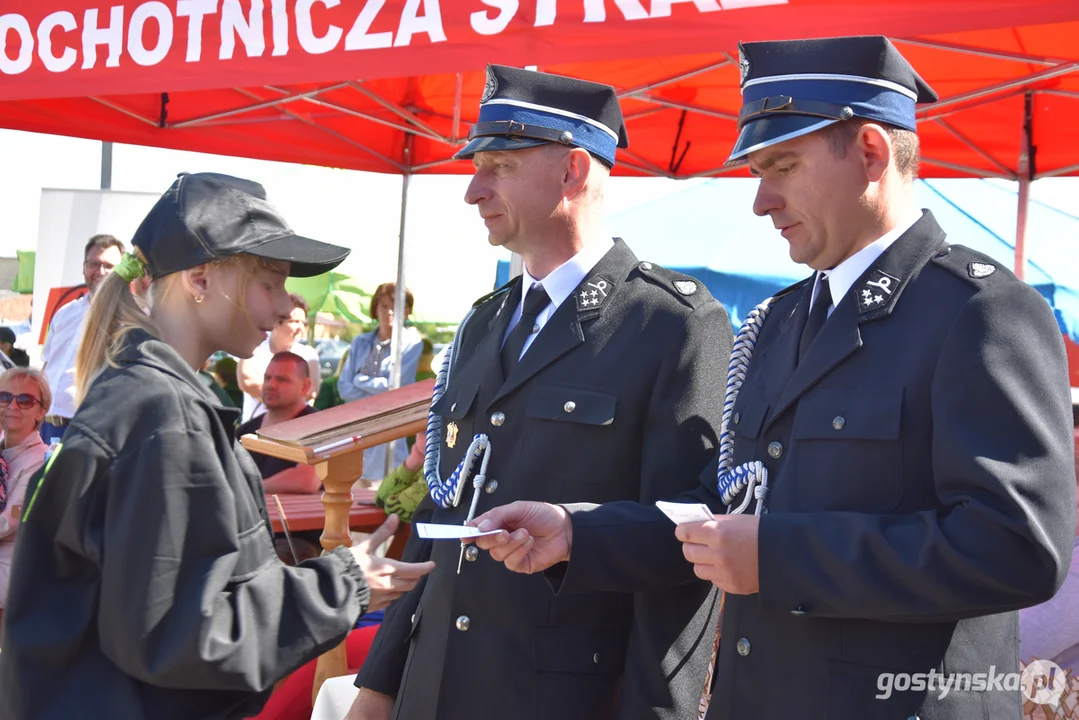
145 583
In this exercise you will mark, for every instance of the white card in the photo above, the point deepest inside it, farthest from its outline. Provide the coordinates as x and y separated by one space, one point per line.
681 513
433 531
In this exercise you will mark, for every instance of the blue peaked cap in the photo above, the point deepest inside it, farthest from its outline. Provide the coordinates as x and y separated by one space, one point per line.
795 87
523 108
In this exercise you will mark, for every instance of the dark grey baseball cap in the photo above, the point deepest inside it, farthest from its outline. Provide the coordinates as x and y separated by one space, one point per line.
205 217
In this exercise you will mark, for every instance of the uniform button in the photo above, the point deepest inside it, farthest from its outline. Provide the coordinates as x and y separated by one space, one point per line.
596 658
471 553
570 406
737 418
453 407
535 328
463 623
743 646
491 486
646 266
413 618
775 450
838 422
800 610
497 419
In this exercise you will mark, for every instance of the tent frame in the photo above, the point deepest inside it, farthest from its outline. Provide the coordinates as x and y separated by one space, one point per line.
408 121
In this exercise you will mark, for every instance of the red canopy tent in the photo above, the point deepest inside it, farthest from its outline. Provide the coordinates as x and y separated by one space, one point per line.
393 85
345 83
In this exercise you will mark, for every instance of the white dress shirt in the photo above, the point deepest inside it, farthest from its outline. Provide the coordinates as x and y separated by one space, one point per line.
559 284
61 346
843 275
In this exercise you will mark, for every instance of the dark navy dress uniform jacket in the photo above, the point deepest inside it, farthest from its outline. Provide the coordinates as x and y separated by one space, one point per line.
615 401
922 489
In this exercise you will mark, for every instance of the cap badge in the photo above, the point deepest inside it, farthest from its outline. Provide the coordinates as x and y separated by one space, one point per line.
490 88
686 287
981 270
743 64
593 293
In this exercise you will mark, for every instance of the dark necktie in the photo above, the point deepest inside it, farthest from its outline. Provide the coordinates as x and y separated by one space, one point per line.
535 301
817 315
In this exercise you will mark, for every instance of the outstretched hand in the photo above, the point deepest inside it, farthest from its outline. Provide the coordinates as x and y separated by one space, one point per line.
534 537
388 579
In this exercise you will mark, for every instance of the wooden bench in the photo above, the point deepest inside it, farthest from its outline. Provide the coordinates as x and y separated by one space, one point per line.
333 441
306 513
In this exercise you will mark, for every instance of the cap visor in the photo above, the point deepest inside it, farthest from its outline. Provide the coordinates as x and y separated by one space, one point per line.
495 143
307 257
772 130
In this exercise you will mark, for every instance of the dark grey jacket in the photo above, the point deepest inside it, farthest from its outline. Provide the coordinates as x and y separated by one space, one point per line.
644 369
145 583
922 489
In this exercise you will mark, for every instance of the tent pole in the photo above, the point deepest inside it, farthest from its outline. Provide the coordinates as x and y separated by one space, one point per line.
1021 227
396 345
1026 176
106 165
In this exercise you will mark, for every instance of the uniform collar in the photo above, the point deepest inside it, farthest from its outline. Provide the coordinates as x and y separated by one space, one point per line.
563 280
846 273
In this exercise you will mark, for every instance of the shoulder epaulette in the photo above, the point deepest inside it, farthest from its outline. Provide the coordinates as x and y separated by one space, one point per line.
970 265
686 288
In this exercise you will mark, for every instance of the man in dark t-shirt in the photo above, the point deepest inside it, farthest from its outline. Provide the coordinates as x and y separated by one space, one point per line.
285 388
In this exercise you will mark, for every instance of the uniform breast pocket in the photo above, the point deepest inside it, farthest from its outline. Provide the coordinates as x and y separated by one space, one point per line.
458 421
748 415
848 451
571 438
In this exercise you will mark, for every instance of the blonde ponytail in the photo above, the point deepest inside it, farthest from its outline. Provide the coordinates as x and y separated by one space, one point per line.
113 313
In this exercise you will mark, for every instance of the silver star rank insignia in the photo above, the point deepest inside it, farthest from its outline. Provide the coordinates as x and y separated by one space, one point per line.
592 293
876 290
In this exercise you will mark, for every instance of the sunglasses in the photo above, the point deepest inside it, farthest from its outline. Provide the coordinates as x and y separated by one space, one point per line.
24 401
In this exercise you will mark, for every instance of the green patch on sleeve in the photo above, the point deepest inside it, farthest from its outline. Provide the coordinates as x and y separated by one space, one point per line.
39 480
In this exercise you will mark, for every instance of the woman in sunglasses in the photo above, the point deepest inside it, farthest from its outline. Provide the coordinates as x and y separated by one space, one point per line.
24 398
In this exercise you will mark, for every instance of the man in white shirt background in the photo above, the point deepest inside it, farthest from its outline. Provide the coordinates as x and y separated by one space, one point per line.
102 254
286 336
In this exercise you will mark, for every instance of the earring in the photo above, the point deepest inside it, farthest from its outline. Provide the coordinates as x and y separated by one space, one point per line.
199 299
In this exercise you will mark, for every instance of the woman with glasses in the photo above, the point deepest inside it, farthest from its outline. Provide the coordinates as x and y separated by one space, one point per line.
24 397
367 370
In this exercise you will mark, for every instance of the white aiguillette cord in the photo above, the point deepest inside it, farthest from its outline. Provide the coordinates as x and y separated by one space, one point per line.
752 477
447 493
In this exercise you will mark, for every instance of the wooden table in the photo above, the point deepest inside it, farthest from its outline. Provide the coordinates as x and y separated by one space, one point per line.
306 512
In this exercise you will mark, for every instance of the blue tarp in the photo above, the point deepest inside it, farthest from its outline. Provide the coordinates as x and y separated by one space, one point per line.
708 231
